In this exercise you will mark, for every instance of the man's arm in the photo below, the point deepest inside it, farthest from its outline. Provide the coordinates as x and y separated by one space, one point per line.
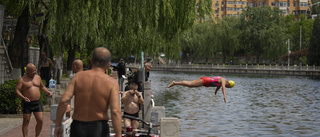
140 78
115 109
223 83
124 97
65 99
140 99
43 88
18 89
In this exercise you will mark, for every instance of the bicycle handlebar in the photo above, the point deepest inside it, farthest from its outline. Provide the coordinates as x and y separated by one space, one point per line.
138 119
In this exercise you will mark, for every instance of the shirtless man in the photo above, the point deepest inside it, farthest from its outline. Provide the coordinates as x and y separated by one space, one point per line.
94 92
131 100
216 81
45 68
30 84
77 66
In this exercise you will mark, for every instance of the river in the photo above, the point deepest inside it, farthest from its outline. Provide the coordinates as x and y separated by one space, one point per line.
258 105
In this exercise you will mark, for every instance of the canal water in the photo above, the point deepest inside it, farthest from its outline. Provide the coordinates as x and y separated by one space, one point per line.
258 105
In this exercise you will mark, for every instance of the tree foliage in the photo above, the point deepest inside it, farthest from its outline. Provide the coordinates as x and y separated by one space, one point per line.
263 32
227 36
314 54
125 27
315 8
306 26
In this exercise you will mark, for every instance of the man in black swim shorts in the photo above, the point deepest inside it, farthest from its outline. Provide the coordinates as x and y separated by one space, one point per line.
33 106
95 92
132 99
30 84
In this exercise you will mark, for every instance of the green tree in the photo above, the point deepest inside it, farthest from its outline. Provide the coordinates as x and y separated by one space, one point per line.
25 12
263 32
294 31
124 27
315 8
314 48
200 41
227 36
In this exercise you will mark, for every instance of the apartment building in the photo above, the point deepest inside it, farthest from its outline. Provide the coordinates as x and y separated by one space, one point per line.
222 8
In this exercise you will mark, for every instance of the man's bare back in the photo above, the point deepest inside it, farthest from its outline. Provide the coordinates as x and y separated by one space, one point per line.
86 83
94 92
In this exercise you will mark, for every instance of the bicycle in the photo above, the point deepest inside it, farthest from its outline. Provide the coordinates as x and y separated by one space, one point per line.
141 133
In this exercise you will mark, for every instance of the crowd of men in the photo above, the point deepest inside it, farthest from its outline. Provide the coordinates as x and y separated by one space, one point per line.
94 93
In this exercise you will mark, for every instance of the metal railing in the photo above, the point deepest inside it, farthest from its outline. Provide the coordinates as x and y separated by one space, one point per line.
7 54
245 66
6 66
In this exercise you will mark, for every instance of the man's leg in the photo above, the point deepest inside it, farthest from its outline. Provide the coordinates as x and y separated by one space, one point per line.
58 76
121 83
194 83
127 122
135 124
25 124
39 119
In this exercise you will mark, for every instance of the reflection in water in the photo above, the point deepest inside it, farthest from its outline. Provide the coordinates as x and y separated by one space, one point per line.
256 106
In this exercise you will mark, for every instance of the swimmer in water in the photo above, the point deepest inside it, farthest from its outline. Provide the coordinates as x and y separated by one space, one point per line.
216 81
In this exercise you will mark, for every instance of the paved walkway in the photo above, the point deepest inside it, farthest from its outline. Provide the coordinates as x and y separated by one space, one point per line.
11 125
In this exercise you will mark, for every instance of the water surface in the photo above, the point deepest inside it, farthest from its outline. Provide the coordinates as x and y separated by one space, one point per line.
258 105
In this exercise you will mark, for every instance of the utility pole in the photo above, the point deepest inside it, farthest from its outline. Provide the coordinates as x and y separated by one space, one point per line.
289 53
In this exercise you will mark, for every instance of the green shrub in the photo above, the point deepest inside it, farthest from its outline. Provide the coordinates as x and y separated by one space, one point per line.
10 103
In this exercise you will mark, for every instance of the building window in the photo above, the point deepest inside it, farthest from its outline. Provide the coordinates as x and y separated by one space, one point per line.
250 4
303 4
273 4
230 2
294 5
281 4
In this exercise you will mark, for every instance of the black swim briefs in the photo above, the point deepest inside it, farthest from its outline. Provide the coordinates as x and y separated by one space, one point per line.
134 115
33 106
89 129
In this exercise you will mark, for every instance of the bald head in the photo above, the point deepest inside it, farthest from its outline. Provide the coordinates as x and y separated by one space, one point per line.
31 70
77 65
101 57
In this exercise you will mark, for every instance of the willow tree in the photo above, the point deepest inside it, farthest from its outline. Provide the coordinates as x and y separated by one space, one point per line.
124 27
25 12
227 36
